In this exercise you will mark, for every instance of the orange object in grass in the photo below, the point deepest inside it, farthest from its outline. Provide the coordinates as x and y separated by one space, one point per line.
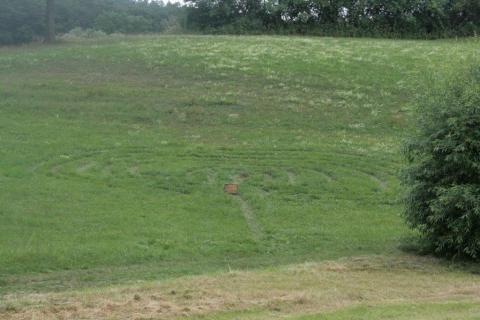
231 188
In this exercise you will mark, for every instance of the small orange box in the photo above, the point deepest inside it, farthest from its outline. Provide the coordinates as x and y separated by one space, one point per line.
231 188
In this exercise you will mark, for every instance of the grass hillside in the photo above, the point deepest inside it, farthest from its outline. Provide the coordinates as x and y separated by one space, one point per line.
114 153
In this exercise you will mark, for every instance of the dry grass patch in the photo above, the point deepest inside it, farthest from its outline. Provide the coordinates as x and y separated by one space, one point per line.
307 288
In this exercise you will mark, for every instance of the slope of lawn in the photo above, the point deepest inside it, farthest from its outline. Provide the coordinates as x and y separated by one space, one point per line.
114 153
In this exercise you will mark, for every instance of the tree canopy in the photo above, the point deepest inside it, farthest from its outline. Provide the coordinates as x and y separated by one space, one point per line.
24 20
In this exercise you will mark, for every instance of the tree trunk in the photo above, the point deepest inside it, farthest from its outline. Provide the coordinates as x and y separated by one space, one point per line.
50 37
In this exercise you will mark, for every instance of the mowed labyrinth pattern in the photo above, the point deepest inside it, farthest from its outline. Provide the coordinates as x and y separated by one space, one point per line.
266 169
114 153
267 176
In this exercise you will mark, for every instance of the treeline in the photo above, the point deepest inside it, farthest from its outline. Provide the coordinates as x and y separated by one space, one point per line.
377 18
24 20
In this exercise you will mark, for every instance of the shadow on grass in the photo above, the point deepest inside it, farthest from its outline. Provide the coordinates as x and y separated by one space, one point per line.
420 246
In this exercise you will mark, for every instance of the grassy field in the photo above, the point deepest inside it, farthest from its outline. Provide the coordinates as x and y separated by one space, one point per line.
114 153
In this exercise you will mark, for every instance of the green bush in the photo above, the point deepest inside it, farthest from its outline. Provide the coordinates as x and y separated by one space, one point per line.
111 22
443 176
79 33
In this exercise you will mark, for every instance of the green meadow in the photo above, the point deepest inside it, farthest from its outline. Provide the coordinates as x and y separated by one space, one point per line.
114 154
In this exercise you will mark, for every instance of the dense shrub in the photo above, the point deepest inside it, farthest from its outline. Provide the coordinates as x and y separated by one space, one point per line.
443 177
111 22
171 25
79 33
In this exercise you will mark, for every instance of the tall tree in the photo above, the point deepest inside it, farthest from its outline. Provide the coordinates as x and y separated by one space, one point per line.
50 16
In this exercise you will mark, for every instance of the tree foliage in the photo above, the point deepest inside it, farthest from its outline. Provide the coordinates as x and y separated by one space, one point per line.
50 17
443 177
23 20
393 18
